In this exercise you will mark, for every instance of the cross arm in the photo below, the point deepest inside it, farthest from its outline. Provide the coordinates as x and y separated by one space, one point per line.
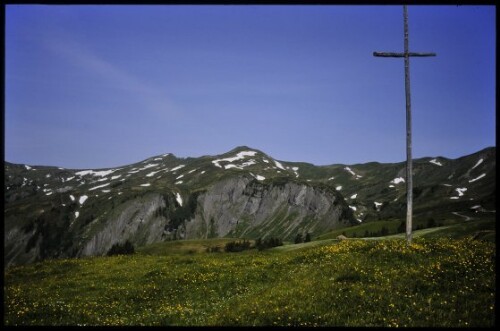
393 54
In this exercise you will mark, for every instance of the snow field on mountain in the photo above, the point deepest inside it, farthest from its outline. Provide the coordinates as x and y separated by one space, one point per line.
239 156
102 173
478 163
436 162
82 199
398 180
96 187
477 178
177 168
178 198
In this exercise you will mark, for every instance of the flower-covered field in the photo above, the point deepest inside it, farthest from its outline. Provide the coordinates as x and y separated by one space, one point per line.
433 282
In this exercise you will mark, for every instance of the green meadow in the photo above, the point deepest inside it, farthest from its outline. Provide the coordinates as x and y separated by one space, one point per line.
436 281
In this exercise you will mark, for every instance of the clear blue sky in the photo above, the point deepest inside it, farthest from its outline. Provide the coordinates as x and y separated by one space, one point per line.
103 86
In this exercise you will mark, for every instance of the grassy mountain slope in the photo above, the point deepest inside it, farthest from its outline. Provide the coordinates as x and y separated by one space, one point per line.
433 282
55 212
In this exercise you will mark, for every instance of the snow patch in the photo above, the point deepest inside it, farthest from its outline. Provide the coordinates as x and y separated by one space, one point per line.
151 174
475 207
49 193
115 177
353 208
77 213
239 156
258 177
178 182
149 165
279 165
338 188
354 196
266 161
178 198
349 169
82 199
180 176
72 197
331 178
479 177
461 191
95 188
202 172
147 184
178 167
478 163
454 198
398 180
436 162
106 191
102 173
248 163
446 184
377 204
392 185
27 167
229 166
102 179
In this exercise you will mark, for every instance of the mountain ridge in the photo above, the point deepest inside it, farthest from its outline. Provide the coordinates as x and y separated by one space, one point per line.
245 147
56 212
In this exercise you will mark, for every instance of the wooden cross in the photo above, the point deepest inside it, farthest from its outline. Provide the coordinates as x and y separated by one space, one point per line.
409 182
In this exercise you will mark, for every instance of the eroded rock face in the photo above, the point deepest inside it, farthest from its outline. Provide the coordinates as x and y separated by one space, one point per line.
235 207
137 222
245 207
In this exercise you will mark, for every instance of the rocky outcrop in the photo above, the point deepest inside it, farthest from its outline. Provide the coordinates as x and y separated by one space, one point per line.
138 222
244 207
236 207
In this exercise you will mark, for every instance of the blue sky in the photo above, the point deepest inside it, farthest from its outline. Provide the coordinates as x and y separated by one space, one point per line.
104 86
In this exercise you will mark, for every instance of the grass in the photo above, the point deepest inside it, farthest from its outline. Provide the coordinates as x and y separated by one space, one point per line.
451 228
184 246
434 282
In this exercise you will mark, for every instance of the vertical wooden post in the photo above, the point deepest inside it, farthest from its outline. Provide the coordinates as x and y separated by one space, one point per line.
409 180
409 173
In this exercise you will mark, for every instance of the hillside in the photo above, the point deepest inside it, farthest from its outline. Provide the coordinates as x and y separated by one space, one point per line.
55 212
384 283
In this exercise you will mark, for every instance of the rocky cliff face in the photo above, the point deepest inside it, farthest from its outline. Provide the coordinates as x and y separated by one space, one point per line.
138 222
236 207
248 208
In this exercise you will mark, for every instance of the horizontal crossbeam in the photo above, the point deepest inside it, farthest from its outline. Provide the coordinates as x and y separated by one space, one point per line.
392 54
